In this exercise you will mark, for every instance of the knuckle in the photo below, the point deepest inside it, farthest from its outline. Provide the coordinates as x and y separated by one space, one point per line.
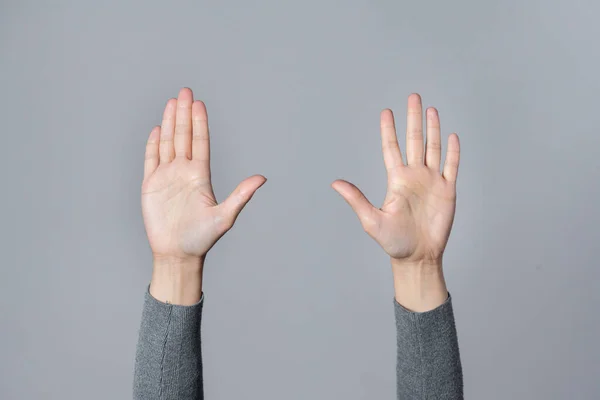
369 225
434 145
415 134
223 223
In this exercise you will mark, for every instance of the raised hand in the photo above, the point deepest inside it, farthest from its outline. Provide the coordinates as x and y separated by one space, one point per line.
182 217
414 223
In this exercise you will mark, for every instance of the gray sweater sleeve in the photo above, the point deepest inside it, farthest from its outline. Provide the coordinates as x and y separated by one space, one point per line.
428 362
168 362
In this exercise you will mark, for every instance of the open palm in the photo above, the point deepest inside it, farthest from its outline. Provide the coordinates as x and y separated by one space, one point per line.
415 220
181 215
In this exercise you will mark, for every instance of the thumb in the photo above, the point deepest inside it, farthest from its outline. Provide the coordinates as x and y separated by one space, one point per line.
233 205
366 212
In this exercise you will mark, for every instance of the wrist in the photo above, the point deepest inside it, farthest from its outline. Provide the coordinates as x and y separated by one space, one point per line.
419 285
169 261
177 280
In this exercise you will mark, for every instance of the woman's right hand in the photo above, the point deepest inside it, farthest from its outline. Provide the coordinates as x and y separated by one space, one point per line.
182 217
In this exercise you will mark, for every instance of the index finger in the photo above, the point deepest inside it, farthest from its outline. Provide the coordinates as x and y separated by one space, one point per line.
200 137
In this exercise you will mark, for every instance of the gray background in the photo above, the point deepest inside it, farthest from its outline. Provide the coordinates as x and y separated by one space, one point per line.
299 298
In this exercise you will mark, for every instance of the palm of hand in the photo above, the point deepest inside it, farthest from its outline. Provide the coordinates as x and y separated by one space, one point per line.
415 220
417 215
177 200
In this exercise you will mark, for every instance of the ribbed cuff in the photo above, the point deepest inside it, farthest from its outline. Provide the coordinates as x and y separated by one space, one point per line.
169 358
428 355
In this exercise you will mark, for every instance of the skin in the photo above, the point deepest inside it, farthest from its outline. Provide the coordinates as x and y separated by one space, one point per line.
413 224
182 217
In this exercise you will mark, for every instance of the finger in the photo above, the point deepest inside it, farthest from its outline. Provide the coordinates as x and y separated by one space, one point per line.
365 211
151 157
392 157
232 206
452 158
414 130
183 124
200 138
433 151
166 150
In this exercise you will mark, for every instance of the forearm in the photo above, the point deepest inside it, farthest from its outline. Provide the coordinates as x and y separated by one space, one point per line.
428 358
168 362
177 281
419 287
